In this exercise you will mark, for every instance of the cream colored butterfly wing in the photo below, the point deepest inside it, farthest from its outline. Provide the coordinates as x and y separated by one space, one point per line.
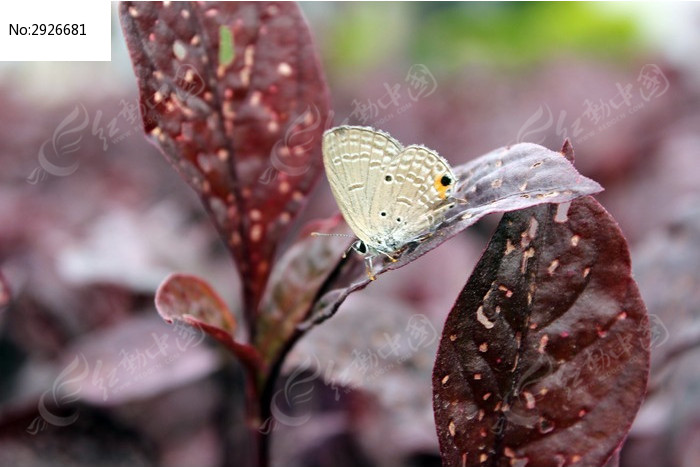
415 195
388 195
355 159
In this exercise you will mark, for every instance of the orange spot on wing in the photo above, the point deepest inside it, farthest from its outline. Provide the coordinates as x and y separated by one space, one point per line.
441 189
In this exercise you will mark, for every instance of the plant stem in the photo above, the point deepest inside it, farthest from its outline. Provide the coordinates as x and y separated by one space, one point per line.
276 369
257 436
264 448
266 400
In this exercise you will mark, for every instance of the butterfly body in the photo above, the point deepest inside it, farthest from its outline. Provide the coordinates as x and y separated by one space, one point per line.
389 195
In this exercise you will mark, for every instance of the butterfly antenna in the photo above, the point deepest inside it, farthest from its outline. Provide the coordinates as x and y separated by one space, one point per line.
321 234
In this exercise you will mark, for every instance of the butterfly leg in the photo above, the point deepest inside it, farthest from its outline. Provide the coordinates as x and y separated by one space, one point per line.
460 200
424 237
393 260
369 268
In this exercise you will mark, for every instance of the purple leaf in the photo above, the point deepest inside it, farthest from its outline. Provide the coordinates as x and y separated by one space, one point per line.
186 298
182 295
234 96
507 179
567 150
544 358
295 284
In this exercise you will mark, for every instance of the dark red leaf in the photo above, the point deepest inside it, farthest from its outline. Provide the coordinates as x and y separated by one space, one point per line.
544 358
182 295
233 94
507 179
192 300
295 283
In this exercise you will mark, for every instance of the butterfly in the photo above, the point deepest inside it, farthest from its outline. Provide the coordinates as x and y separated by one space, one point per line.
389 195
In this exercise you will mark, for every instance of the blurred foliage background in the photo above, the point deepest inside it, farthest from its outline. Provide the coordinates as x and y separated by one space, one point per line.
449 37
82 253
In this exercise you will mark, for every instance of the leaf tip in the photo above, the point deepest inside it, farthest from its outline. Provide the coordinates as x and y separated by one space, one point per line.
567 150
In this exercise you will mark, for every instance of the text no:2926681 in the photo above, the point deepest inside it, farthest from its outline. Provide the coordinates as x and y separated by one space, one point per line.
36 29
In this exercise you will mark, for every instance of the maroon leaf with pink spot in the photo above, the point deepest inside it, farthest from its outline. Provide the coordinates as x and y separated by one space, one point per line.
544 358
190 299
507 179
233 94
